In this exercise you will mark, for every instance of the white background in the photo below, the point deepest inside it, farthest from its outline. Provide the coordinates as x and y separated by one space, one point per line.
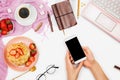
52 50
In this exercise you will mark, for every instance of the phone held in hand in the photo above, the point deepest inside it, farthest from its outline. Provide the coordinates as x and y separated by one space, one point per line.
75 49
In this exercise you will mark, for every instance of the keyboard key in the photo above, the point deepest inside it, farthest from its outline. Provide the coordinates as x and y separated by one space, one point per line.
110 6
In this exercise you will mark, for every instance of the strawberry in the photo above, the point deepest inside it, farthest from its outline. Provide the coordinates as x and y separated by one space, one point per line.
8 21
19 50
27 64
4 32
32 59
0 25
4 29
3 26
32 46
17 55
10 27
12 52
33 52
3 21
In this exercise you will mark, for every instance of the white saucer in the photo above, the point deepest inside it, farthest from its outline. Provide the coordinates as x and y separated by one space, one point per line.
30 19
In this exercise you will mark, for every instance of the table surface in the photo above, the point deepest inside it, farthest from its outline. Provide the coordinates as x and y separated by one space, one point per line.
52 49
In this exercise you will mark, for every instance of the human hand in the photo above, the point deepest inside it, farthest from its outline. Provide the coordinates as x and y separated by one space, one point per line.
72 69
93 65
90 61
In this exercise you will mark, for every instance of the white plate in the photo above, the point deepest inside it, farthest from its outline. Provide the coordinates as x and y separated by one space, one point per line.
30 19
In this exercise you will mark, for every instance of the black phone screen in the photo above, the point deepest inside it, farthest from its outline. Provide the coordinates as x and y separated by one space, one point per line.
75 49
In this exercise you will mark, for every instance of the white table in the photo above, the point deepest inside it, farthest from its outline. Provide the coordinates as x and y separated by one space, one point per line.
106 50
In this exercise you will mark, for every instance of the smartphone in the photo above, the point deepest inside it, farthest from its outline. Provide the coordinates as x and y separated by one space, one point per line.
75 49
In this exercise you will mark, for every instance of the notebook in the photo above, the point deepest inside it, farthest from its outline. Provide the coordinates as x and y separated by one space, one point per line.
105 14
64 15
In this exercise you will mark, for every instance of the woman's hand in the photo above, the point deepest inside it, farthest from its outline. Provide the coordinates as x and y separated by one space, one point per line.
90 61
72 69
93 65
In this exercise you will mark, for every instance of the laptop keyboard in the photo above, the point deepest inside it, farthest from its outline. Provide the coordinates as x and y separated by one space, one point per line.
111 6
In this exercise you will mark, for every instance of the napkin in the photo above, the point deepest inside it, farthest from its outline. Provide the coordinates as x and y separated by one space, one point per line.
3 66
7 10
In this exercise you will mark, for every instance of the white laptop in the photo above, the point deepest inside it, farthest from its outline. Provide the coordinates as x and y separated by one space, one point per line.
105 14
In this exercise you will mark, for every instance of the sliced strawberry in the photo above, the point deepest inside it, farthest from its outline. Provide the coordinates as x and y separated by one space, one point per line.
19 50
12 52
4 32
27 64
17 55
32 46
32 59
33 52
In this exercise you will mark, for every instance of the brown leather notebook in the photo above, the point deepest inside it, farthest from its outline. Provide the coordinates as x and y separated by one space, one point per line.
64 15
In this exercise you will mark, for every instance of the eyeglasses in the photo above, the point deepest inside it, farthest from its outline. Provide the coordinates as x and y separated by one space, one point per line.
50 70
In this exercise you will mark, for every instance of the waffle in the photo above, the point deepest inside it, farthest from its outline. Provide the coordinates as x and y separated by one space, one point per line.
20 60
